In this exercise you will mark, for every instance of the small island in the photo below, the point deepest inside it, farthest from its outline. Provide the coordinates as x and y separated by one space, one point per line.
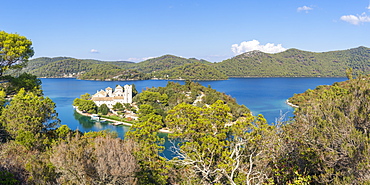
124 106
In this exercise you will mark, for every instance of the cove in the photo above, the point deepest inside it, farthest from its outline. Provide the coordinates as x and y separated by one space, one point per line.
265 96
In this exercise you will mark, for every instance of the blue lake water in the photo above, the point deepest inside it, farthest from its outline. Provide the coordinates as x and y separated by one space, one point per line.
265 96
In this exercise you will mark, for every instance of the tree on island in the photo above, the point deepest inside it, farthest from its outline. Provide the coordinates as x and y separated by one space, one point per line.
118 106
85 105
103 109
85 96
15 50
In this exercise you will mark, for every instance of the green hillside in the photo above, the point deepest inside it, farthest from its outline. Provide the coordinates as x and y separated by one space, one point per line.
296 63
59 67
290 63
164 67
191 71
164 62
111 72
69 67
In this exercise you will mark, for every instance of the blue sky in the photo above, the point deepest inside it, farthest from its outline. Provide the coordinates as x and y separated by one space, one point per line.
212 30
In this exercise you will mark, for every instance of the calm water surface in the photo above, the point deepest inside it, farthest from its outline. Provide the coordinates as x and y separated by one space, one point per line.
261 95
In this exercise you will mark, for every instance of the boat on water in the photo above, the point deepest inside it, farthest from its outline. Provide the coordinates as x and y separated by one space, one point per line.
95 117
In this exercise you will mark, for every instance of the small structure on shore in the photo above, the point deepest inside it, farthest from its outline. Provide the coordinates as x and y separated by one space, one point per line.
110 97
95 117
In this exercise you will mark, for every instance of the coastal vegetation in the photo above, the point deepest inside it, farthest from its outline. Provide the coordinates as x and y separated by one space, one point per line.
162 99
330 135
215 140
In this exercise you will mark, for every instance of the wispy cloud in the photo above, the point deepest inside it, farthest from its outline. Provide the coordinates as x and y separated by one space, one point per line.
356 19
139 59
304 8
255 45
216 58
94 51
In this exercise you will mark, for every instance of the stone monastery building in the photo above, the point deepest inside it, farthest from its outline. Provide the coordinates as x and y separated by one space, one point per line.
110 97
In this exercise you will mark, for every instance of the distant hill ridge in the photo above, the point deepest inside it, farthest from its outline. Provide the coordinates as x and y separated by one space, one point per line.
290 63
296 63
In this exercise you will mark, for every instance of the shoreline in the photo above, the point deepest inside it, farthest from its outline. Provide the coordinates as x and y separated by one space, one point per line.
117 123
291 104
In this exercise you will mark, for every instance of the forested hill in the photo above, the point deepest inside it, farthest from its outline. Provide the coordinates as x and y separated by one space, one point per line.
296 63
192 71
290 63
59 67
165 62
164 67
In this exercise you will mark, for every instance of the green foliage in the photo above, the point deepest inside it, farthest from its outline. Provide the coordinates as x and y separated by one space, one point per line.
2 99
28 82
349 74
118 106
27 116
15 50
27 138
162 99
144 111
85 96
85 105
329 139
41 170
134 90
7 178
215 150
63 131
103 109
149 97
153 168
102 133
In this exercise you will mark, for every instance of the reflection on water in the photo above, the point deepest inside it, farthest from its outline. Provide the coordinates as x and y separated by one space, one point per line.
91 125
84 121
87 123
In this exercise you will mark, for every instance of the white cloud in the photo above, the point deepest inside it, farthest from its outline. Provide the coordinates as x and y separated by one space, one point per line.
134 59
356 19
139 59
94 51
368 7
255 45
147 58
304 8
